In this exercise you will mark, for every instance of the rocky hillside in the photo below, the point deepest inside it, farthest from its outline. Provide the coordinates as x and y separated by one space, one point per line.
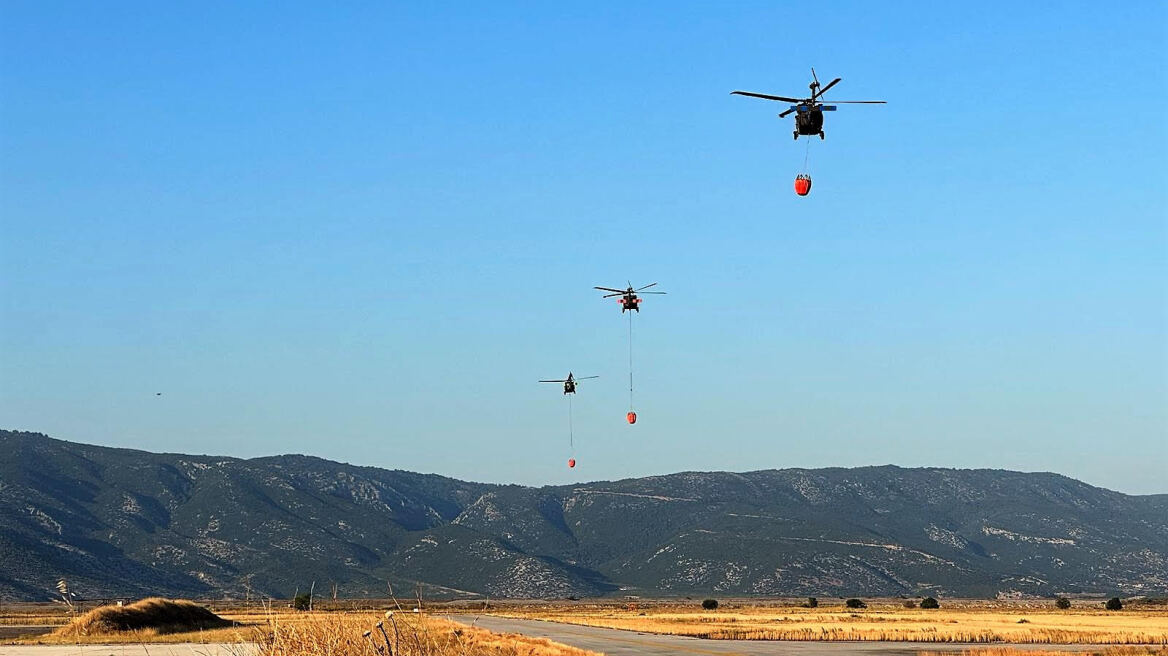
118 522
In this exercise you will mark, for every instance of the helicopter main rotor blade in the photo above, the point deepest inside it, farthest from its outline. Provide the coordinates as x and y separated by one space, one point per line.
766 97
647 286
859 102
611 295
610 289
787 113
653 292
553 381
829 85
587 377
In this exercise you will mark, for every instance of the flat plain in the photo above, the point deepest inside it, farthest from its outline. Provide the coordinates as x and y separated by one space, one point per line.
957 622
606 626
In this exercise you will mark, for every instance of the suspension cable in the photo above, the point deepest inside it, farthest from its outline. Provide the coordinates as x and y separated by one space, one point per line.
630 361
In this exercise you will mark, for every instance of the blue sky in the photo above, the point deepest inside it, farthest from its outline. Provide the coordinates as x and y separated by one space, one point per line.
364 233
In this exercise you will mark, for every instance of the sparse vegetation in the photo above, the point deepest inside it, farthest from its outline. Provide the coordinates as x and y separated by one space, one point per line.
1114 604
400 635
855 603
929 603
909 603
710 604
812 602
333 632
1062 603
887 620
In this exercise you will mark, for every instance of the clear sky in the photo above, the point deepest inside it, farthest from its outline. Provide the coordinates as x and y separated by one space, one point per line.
363 233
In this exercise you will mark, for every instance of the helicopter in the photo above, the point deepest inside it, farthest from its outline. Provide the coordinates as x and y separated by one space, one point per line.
629 299
809 111
569 382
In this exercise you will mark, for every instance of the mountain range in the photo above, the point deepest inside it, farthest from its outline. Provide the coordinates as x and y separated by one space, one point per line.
127 523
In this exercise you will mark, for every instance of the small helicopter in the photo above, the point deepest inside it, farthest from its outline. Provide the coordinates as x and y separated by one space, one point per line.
809 111
569 382
629 299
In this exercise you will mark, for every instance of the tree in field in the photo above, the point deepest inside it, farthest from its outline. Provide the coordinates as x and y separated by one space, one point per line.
855 603
1114 604
929 602
812 602
1062 603
302 601
710 604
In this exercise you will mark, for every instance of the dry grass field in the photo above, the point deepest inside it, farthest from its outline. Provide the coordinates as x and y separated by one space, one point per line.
971 622
284 632
1127 650
341 630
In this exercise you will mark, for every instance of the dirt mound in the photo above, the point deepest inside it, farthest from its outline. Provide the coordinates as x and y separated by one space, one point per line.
154 614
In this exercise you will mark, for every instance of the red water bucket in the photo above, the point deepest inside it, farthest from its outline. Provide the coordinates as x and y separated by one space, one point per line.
802 184
631 417
571 462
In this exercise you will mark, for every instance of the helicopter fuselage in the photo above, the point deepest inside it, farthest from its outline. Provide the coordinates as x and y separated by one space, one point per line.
809 123
569 387
630 303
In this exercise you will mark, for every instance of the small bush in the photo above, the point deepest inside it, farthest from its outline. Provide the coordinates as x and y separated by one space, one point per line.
710 604
1114 604
909 603
1062 602
929 602
302 601
855 603
812 602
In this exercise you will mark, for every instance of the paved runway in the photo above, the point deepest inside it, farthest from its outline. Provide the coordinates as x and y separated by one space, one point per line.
614 642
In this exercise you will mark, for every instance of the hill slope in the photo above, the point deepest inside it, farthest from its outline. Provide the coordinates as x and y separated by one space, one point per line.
118 522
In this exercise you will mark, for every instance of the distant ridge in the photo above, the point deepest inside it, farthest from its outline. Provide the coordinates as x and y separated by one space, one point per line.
120 522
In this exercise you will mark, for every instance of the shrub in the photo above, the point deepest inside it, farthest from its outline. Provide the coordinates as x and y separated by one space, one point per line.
302 601
909 603
812 602
1114 604
929 602
855 603
710 604
1062 602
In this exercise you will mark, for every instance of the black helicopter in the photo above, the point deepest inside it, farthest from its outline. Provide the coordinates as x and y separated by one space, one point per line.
629 299
809 111
569 382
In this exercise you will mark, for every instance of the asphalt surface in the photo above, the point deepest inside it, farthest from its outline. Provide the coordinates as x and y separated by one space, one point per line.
614 642
188 649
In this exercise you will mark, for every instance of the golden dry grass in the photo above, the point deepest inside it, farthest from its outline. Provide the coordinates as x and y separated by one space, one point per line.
283 632
1127 650
154 614
890 623
364 634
